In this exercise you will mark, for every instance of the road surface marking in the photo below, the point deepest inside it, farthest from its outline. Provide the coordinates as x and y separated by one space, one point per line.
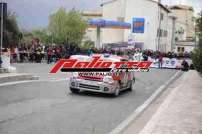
31 81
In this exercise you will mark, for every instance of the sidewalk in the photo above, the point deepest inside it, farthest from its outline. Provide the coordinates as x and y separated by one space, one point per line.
181 111
12 77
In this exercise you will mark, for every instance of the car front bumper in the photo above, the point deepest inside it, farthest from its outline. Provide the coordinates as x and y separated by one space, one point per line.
93 86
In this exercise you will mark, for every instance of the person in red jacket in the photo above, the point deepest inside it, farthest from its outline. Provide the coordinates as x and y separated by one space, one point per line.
49 53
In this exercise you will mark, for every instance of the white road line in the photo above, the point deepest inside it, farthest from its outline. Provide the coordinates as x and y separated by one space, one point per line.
31 81
121 127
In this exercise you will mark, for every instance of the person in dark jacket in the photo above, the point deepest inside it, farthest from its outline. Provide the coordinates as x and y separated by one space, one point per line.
0 62
185 65
160 61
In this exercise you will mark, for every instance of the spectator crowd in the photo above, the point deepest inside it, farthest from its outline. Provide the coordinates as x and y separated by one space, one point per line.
41 53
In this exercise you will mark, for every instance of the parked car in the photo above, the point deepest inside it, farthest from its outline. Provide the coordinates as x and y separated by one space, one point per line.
102 84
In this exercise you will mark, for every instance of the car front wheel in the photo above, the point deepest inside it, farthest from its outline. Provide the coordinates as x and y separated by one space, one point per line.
75 91
131 86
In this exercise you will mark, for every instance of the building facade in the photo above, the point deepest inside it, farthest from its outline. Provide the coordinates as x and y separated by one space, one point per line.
184 29
153 25
184 22
156 34
91 32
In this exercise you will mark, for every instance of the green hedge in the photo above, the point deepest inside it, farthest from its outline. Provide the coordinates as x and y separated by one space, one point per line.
197 56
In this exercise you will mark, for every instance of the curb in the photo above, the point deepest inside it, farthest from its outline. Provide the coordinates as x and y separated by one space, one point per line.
123 125
3 70
5 78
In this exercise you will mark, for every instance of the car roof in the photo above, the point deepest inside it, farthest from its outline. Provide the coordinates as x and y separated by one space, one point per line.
115 58
80 57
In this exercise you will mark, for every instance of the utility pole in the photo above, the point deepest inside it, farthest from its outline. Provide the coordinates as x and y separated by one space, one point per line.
173 33
195 34
1 42
159 27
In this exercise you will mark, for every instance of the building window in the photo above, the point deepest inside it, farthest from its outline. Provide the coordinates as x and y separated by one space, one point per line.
157 33
161 33
165 33
161 16
180 49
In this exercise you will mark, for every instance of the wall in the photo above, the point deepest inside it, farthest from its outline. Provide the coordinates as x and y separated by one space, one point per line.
150 11
129 9
165 39
185 17
91 33
113 11
170 37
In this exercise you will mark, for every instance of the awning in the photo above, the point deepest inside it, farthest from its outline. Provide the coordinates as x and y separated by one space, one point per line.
108 24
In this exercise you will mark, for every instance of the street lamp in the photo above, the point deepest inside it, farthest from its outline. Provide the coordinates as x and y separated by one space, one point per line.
1 41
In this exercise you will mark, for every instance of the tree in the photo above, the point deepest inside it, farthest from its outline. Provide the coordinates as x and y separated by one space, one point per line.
11 30
88 44
42 35
197 53
27 38
67 27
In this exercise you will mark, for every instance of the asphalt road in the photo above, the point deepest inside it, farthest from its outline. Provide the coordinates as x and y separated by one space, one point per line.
48 107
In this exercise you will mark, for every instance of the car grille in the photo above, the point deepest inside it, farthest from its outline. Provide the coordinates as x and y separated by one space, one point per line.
89 86
91 78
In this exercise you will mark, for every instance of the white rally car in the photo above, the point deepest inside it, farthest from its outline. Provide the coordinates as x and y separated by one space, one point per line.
102 84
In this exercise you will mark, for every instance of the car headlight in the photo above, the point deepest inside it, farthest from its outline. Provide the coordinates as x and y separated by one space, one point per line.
108 79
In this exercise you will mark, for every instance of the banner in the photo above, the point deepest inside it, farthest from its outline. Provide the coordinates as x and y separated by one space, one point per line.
5 60
138 25
155 62
172 63
169 63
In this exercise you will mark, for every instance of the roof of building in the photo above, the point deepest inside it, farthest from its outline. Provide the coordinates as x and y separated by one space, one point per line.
109 23
161 5
181 7
97 13
107 2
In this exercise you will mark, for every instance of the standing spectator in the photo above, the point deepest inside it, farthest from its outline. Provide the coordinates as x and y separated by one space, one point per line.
49 53
38 54
58 53
21 52
90 52
43 53
145 57
185 65
160 60
0 62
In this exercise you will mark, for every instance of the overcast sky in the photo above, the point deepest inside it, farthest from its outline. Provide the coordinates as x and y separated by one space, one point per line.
34 13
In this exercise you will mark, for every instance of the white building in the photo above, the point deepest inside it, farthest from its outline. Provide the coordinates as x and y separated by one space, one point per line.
157 33
184 30
184 21
91 32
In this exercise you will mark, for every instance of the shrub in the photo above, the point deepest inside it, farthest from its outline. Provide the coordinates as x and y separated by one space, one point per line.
197 56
